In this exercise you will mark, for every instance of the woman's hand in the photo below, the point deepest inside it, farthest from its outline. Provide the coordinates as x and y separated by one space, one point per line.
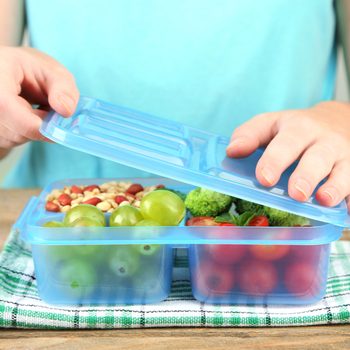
29 77
319 137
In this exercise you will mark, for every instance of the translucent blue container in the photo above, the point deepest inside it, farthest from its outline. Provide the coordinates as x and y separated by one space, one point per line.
86 265
95 265
254 265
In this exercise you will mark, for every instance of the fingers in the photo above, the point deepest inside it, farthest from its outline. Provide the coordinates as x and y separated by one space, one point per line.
337 186
255 133
316 164
10 139
284 149
63 94
18 117
42 80
348 203
31 77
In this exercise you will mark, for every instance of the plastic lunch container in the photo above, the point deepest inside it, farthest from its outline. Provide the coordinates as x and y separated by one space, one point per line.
185 157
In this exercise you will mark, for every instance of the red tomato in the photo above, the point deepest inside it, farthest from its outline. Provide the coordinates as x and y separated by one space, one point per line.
269 252
226 253
226 224
210 277
305 253
300 278
260 220
201 221
257 277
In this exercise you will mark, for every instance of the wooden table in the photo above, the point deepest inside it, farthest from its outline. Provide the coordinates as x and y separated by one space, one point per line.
318 338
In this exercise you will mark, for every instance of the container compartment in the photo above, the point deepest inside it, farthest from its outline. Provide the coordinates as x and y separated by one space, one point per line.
103 274
259 274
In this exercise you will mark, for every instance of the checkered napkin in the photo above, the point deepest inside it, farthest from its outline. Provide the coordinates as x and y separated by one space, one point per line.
20 306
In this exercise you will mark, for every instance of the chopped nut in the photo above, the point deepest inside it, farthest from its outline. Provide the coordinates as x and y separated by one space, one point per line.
109 195
124 203
96 191
65 208
104 206
50 197
66 190
56 193
77 200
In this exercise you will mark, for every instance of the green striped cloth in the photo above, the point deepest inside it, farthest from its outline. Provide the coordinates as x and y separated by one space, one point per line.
20 306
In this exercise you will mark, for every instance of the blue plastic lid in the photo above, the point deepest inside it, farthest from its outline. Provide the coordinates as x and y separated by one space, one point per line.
176 151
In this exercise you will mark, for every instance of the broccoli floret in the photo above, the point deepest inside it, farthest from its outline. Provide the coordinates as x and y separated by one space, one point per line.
282 218
203 202
276 217
243 206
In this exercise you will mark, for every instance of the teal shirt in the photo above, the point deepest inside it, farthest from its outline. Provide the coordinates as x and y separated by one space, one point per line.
210 64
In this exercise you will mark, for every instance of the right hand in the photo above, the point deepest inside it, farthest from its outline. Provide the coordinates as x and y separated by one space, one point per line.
30 77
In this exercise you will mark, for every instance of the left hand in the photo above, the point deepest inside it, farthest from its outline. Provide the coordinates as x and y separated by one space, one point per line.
319 137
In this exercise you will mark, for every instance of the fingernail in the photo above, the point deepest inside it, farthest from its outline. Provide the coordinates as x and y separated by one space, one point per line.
268 175
67 103
331 193
303 187
235 143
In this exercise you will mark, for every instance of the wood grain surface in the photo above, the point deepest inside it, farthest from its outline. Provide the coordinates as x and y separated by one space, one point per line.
304 338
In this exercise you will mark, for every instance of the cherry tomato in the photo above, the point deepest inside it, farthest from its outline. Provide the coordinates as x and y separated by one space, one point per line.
300 278
201 221
226 224
257 277
226 253
269 252
259 220
309 254
210 277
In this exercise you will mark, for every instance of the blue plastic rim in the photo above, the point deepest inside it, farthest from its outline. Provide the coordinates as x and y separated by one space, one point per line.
178 152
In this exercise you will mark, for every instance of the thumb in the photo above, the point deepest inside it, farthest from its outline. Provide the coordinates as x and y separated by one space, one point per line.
253 134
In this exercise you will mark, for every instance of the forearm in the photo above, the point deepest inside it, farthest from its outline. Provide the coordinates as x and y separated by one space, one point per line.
343 31
11 22
11 31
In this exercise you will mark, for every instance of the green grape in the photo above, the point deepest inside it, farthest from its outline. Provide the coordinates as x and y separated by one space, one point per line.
53 224
78 277
90 251
146 249
84 211
58 254
85 222
125 216
124 262
164 207
149 278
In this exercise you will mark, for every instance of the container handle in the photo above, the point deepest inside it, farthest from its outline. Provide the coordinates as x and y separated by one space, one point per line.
27 211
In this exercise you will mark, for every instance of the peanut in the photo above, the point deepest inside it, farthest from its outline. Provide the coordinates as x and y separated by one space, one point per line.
64 199
65 208
104 206
92 201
